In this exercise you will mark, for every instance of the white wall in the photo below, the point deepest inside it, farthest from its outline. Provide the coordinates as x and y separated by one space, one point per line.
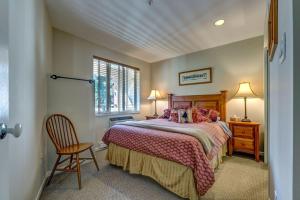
232 63
29 62
72 56
281 111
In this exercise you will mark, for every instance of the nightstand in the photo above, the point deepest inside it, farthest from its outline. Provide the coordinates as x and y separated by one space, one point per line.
245 138
151 117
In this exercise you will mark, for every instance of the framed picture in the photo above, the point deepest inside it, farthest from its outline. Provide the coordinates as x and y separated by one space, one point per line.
273 28
198 76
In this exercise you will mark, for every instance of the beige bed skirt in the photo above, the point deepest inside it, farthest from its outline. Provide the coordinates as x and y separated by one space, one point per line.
173 176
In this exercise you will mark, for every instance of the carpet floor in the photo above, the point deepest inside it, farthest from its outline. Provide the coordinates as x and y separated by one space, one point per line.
237 178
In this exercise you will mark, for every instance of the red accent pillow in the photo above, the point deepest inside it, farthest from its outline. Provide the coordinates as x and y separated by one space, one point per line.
195 115
204 115
202 118
213 115
203 111
174 116
198 115
166 114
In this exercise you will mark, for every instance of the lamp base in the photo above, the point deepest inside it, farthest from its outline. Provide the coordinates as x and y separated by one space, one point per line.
155 115
246 120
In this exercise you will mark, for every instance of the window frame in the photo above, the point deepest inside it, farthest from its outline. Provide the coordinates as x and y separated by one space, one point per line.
137 111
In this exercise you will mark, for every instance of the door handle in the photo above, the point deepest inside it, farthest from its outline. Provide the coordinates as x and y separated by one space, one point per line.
16 131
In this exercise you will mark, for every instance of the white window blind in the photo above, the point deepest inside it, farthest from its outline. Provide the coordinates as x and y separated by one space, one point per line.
117 87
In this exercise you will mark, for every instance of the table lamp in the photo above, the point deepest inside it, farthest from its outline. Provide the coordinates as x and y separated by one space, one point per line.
154 95
245 92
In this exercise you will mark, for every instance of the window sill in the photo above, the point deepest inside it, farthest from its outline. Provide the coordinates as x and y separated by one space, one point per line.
116 114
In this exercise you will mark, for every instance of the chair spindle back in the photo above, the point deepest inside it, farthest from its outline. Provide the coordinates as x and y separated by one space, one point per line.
61 131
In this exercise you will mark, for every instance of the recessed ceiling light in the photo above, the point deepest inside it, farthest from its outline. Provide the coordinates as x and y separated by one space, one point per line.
219 22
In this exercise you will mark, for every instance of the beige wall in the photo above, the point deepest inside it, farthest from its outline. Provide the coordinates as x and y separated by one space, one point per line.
30 40
72 56
232 63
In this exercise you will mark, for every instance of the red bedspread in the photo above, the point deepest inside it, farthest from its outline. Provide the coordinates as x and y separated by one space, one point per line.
180 148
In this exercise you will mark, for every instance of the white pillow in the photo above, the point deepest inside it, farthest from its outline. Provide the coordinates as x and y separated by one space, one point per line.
188 118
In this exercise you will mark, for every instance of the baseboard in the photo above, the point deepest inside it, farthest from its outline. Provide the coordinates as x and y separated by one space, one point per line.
100 146
96 149
38 196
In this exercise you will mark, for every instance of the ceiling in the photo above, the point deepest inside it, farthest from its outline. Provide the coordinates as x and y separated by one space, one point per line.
167 28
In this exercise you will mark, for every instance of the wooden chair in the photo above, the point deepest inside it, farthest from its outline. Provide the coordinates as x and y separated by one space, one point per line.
63 135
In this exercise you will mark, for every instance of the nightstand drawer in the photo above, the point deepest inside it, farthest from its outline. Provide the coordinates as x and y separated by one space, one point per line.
241 144
243 131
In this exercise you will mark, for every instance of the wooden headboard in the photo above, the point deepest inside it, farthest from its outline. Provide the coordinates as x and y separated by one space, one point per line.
210 101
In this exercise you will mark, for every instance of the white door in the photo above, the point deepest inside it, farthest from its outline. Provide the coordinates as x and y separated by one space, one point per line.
4 169
4 93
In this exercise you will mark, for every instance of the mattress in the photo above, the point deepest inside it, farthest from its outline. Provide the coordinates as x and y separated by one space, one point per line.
173 176
180 148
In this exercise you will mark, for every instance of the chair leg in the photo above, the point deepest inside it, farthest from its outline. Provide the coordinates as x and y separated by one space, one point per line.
95 161
71 160
53 170
78 171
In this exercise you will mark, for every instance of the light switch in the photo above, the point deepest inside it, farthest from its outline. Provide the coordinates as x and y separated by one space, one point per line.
282 48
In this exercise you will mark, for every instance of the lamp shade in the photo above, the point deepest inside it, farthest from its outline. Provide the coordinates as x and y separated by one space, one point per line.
245 90
154 95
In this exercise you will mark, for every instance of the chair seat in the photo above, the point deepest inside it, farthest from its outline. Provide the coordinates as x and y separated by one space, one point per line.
77 148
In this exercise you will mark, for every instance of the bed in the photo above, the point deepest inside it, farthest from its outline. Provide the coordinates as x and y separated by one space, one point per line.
169 152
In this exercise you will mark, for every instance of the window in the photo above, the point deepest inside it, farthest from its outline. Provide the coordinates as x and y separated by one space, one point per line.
117 87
